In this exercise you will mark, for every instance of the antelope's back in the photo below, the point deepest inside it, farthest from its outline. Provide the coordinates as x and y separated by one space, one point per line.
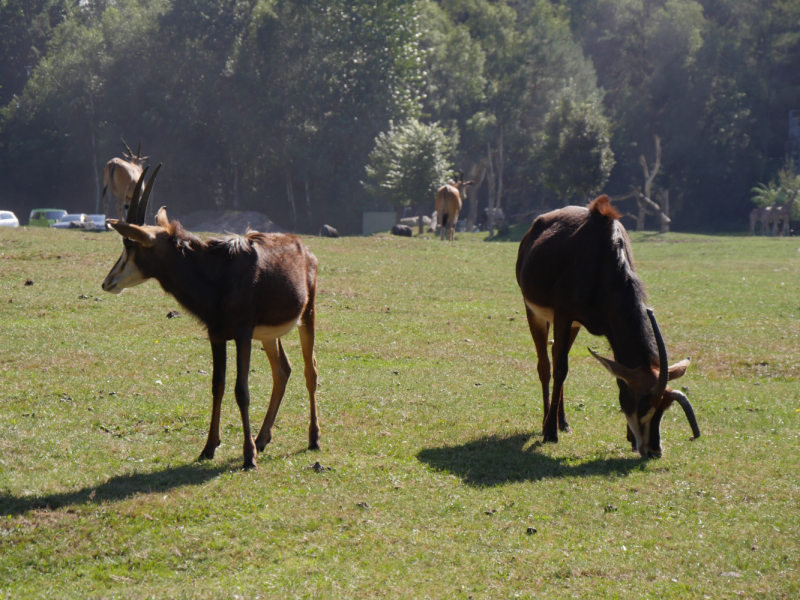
272 276
574 257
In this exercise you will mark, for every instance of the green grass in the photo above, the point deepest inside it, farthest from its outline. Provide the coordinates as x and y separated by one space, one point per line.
430 412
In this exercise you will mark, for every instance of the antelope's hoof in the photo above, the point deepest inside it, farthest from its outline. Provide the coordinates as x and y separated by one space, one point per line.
313 445
565 427
551 437
249 463
261 445
206 454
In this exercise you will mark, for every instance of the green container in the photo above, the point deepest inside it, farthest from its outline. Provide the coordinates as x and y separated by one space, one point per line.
44 217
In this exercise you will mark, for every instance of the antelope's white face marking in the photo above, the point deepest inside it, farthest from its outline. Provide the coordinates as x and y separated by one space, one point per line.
123 274
641 430
265 332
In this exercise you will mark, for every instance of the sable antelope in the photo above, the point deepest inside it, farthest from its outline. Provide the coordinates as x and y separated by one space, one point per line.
575 268
122 176
253 287
448 205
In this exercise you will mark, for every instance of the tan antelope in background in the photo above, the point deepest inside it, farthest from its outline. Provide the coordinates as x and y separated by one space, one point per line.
782 213
763 215
448 205
257 286
120 177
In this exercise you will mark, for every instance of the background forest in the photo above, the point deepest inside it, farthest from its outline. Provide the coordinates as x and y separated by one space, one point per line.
276 105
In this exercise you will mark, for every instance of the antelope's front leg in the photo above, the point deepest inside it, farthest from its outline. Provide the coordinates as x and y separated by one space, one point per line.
218 353
244 346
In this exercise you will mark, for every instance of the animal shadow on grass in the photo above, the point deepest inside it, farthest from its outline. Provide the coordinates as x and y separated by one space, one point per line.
496 460
117 488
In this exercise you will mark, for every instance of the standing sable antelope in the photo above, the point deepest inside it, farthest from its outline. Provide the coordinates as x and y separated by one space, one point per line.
575 268
448 205
253 287
121 176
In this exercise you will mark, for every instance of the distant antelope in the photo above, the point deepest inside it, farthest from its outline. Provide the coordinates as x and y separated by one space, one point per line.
121 176
253 287
763 215
448 205
782 213
575 268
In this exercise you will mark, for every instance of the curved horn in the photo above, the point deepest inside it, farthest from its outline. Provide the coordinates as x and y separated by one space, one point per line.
687 409
146 197
663 373
130 152
133 208
139 149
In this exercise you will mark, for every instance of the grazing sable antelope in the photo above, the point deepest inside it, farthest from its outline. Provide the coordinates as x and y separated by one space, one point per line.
122 175
575 268
448 205
253 287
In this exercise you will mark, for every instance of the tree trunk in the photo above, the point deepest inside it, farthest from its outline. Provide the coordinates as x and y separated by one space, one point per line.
664 211
290 197
398 213
94 159
490 182
477 174
235 180
308 204
649 176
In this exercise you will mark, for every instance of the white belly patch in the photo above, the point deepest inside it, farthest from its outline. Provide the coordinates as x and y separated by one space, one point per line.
265 332
543 312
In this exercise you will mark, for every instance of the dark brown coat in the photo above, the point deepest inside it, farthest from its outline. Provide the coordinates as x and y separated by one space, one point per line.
575 269
257 286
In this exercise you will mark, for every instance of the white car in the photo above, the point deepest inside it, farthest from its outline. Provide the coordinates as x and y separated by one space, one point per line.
74 221
8 219
99 222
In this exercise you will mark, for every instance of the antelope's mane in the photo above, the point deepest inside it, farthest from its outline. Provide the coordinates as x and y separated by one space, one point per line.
232 244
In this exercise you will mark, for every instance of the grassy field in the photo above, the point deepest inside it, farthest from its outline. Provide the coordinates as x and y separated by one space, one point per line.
435 481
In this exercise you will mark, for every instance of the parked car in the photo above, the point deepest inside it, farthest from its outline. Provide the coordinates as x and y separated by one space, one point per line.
74 221
44 217
8 219
99 222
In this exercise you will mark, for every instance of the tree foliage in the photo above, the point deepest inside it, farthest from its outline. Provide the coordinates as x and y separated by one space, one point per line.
275 105
410 162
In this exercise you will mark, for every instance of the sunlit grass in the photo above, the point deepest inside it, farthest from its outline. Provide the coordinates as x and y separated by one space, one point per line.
430 412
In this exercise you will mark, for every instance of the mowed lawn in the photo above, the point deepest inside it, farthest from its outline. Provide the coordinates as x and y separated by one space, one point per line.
434 480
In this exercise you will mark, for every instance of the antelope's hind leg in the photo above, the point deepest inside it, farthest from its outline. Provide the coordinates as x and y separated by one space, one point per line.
218 353
540 329
281 370
306 331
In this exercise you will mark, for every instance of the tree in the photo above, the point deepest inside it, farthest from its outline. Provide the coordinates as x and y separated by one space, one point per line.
409 163
575 154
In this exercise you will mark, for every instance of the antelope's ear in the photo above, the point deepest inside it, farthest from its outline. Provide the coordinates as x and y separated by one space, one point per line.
468 183
161 217
679 369
617 370
134 232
